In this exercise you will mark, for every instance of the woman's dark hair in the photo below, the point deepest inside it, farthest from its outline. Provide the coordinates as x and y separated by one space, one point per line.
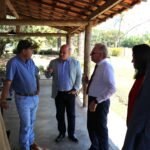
141 56
23 44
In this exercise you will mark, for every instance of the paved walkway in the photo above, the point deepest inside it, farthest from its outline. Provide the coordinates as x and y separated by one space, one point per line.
46 125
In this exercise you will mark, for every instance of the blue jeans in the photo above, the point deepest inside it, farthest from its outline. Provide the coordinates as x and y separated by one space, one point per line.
27 107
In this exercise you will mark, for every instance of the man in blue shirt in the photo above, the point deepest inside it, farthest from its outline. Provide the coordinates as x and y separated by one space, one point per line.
22 77
66 73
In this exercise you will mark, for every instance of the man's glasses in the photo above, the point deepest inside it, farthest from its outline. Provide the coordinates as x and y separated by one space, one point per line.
93 53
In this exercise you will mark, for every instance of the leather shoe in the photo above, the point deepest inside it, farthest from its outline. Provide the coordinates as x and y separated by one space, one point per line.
59 138
73 139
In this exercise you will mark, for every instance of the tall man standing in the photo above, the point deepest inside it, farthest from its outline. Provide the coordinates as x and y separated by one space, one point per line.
66 73
101 86
22 77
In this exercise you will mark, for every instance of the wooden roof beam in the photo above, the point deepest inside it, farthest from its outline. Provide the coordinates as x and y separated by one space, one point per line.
21 34
125 5
2 9
12 9
42 22
85 2
72 5
108 5
61 8
71 31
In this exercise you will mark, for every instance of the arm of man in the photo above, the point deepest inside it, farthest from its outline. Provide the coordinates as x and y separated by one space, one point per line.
37 79
78 79
38 85
5 91
49 72
10 73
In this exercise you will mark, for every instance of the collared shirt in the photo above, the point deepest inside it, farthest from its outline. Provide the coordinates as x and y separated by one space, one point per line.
103 83
64 83
22 74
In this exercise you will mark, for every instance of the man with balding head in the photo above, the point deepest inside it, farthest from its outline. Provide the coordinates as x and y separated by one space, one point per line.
66 73
101 86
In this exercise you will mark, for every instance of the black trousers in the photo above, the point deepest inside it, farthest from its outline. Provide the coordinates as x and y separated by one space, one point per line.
97 126
65 103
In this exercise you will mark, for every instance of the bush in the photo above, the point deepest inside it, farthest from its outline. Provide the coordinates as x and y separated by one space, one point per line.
41 69
115 51
48 52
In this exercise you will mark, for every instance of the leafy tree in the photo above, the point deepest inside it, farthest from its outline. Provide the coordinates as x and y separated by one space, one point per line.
131 41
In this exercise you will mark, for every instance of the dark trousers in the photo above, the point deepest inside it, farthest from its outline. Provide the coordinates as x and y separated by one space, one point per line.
65 102
97 126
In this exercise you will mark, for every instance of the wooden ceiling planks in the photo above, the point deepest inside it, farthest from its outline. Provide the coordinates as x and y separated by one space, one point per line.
95 11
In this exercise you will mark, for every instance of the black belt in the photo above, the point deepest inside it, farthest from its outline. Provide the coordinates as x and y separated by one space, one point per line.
66 92
27 94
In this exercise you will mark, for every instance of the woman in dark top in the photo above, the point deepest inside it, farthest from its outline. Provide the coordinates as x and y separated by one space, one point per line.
141 57
138 117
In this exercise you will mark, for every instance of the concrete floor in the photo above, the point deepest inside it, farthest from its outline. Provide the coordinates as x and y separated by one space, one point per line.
46 125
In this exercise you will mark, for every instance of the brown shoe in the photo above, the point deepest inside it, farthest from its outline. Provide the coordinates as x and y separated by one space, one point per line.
34 146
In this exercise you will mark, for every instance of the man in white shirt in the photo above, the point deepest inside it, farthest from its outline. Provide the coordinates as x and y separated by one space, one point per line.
101 86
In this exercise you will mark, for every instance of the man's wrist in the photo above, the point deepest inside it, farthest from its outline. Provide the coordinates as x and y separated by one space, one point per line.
96 102
3 101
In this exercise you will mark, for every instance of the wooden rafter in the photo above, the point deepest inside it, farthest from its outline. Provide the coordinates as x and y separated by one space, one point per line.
73 5
2 9
108 5
12 9
42 22
87 3
21 34
126 5
59 7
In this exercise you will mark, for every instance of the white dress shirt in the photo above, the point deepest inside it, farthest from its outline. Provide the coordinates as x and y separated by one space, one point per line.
103 83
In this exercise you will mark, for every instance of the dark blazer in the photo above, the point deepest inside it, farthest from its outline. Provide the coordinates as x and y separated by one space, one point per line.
138 132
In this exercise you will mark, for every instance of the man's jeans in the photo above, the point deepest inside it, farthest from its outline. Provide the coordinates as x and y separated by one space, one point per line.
27 107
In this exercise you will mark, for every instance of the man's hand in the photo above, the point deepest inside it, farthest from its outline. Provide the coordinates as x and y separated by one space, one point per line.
73 92
4 104
92 106
50 70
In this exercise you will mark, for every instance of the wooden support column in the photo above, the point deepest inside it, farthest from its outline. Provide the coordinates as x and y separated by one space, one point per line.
2 9
17 29
87 48
68 39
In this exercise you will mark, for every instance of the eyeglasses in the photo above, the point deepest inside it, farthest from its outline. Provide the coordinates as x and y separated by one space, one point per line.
93 53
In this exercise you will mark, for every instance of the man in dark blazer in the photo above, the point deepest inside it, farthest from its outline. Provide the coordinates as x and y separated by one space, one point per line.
138 133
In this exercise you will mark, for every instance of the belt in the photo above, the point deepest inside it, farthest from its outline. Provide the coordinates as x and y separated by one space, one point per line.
27 94
63 92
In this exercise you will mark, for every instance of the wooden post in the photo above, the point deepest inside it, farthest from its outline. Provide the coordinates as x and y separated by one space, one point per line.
87 48
68 39
2 9
17 29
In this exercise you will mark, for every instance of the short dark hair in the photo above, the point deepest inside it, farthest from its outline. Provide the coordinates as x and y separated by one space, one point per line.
23 44
141 55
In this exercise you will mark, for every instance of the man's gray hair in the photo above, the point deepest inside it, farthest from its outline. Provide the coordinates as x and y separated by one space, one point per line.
102 48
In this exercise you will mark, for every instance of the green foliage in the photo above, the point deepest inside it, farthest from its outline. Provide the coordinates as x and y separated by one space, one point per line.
41 69
116 51
131 41
48 52
111 38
